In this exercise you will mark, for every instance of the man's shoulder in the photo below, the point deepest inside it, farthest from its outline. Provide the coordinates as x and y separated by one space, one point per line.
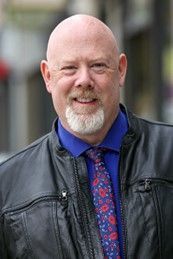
21 173
23 154
155 125
152 131
140 124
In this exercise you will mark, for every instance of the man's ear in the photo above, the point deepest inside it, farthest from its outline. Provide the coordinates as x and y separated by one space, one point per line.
122 68
45 74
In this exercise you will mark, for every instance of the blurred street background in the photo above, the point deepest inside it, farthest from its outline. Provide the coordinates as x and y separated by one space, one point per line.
145 33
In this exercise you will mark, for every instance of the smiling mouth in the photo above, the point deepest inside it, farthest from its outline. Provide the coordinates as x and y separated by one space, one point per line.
85 100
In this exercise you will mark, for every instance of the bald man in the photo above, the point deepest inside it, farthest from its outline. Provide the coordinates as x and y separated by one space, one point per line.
83 73
100 184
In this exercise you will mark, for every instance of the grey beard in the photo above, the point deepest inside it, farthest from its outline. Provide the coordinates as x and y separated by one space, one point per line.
83 123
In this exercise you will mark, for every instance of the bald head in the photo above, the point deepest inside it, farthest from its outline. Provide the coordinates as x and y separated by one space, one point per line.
78 27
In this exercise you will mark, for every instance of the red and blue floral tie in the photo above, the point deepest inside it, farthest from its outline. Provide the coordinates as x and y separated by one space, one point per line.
103 199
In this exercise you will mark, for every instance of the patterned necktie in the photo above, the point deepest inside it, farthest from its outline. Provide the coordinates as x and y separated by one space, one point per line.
103 199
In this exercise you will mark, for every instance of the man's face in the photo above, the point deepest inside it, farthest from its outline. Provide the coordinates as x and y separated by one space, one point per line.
84 81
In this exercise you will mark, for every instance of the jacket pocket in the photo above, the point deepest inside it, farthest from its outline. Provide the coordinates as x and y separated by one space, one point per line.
148 214
46 228
156 197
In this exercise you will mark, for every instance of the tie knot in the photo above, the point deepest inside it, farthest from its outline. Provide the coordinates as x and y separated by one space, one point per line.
95 153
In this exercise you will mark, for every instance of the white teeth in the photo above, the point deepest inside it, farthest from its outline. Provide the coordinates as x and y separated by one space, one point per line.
85 100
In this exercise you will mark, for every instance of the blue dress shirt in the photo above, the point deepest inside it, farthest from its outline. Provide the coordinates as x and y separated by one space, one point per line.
113 142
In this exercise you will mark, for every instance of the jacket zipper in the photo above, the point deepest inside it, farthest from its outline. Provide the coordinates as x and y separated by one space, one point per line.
83 212
122 209
123 227
62 197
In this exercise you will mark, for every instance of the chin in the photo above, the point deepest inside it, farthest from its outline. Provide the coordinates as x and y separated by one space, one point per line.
85 124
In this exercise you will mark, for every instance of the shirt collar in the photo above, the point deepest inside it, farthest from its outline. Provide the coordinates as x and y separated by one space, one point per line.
112 140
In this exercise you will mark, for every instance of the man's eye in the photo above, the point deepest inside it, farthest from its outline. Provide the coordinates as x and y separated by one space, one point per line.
99 67
69 69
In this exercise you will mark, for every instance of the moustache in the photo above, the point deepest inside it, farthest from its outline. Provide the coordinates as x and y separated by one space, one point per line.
83 94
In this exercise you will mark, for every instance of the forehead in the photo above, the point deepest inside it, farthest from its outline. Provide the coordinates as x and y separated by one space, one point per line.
83 46
81 38
82 42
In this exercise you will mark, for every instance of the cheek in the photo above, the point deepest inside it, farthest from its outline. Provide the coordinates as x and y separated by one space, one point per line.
110 90
60 93
58 99
110 100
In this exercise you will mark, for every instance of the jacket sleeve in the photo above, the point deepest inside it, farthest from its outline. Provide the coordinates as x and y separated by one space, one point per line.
3 250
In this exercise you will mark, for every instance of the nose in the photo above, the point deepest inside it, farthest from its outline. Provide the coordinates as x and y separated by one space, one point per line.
84 78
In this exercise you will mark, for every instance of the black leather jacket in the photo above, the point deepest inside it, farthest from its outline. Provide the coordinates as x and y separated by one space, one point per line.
45 205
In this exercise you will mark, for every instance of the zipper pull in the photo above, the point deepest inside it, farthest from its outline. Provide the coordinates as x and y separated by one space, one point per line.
147 185
63 196
144 185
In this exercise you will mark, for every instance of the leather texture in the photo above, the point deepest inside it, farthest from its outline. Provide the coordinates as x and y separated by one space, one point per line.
46 210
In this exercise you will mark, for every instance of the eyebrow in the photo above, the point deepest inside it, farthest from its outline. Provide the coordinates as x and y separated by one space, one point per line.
69 61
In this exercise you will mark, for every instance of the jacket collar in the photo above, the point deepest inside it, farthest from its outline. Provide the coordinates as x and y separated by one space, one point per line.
131 135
